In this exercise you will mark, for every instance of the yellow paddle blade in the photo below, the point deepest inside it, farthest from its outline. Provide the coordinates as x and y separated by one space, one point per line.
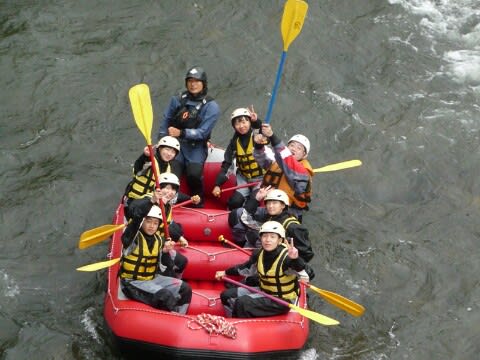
94 236
292 21
339 166
319 318
142 109
99 265
339 301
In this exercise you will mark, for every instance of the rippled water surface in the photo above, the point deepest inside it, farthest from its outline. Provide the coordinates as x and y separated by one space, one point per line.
394 83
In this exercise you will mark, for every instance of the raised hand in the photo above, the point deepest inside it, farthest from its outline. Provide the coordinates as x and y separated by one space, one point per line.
262 192
253 114
292 250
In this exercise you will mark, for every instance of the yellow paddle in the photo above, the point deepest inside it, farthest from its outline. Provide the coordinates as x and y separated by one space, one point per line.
294 13
141 104
338 166
335 299
339 301
142 110
94 236
292 21
99 265
319 318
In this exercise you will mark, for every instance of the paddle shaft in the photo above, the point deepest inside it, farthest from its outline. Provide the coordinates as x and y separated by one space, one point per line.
241 186
183 203
292 21
271 297
231 243
275 88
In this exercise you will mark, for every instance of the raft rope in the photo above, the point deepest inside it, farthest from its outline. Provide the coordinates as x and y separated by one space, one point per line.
214 325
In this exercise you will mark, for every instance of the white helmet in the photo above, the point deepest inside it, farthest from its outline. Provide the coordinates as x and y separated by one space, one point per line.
155 212
273 227
277 194
169 141
169 178
302 139
240 112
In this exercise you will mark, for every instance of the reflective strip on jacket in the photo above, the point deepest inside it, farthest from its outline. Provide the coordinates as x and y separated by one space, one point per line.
141 263
144 182
275 281
275 178
246 163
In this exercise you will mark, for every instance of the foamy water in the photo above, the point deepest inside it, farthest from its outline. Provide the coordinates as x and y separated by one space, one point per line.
8 287
454 25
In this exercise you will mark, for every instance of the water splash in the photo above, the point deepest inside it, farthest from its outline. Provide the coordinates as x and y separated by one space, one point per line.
89 324
8 287
35 139
455 24
309 354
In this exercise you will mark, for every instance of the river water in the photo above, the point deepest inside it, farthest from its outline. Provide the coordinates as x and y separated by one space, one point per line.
395 83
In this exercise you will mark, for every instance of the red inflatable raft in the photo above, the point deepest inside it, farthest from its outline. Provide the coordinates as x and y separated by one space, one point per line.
203 332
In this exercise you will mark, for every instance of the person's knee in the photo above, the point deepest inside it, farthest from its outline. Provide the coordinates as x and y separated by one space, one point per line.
234 216
180 262
252 237
235 201
242 307
228 295
163 299
185 292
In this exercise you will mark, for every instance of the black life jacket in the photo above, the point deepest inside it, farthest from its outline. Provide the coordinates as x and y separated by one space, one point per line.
187 116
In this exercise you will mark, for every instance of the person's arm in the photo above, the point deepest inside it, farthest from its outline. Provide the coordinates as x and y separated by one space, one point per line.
139 209
296 174
251 205
175 230
300 236
209 114
257 124
167 260
181 197
247 268
263 155
131 231
297 264
168 115
293 260
227 163
139 163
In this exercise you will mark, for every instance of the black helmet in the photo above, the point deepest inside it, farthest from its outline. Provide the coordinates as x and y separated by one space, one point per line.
197 72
